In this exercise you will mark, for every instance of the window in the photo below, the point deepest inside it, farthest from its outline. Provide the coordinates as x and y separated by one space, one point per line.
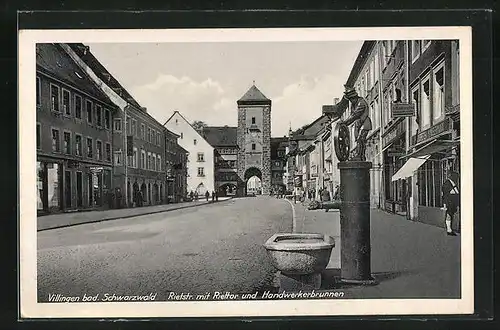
143 132
98 114
134 127
415 50
194 141
415 98
182 135
134 158
128 125
253 146
98 147
38 136
426 103
54 98
78 106
66 102
56 143
107 119
201 157
117 123
38 91
78 145
118 158
67 142
108 152
88 107
425 45
253 120
201 171
438 93
158 164
90 152
148 164
143 159
149 135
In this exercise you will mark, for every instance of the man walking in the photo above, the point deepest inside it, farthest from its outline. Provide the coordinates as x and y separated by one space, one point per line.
451 200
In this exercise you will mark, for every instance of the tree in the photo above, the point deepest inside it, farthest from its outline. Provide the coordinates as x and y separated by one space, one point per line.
199 125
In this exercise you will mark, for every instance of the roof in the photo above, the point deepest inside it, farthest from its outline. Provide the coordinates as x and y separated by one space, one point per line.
220 136
309 131
84 53
53 60
254 95
363 54
176 112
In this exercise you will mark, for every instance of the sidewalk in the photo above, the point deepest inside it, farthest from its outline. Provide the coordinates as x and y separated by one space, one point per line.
70 219
409 259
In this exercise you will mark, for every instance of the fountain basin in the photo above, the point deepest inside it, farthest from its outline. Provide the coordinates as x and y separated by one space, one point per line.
298 253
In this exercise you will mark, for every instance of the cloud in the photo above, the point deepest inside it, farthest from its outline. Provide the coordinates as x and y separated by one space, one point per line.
301 102
298 103
197 100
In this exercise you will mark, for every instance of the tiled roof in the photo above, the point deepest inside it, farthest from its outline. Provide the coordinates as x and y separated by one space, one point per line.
253 94
220 136
84 53
53 60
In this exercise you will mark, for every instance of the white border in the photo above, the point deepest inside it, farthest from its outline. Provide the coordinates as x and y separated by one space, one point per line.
27 177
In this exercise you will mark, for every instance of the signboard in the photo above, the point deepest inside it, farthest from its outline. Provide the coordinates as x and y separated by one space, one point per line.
298 181
96 169
438 129
393 134
402 110
395 153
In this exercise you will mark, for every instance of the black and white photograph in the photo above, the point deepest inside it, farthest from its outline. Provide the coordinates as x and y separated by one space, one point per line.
245 172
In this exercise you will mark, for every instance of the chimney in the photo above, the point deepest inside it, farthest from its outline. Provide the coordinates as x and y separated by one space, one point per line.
144 109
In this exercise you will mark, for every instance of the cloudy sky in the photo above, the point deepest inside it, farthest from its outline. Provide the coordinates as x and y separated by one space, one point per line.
204 80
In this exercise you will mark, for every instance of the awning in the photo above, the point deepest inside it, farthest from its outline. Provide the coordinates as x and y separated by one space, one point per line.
409 167
434 146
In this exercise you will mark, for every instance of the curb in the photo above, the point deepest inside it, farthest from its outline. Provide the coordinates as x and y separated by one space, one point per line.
128 216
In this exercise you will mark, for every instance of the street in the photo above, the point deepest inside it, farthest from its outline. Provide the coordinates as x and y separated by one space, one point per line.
209 248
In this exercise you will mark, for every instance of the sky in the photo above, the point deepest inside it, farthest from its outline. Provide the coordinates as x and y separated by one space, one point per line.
203 81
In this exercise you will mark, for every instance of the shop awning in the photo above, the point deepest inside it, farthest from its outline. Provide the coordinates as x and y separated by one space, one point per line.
409 167
432 147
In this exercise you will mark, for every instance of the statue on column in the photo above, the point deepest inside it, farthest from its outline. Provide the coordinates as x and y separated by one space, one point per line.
362 125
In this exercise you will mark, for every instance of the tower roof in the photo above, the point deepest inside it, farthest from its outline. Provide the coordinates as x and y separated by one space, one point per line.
254 95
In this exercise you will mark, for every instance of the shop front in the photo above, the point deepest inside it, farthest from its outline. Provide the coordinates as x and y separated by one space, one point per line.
68 185
435 153
396 192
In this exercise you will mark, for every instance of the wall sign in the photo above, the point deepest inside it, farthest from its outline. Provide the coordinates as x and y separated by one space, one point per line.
402 110
433 131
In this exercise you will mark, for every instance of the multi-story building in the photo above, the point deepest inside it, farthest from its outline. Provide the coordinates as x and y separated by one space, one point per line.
434 133
200 168
138 143
179 170
173 165
278 164
73 135
225 143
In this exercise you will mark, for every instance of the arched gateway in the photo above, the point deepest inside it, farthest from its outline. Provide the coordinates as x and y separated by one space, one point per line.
254 139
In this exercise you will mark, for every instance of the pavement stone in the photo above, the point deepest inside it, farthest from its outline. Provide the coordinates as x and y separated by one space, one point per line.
409 259
60 220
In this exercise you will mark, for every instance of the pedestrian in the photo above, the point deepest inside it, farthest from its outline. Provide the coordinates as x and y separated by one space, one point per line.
213 196
196 195
325 195
207 195
191 195
336 194
451 201
140 198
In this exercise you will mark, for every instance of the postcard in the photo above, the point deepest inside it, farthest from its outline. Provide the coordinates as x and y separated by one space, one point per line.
245 172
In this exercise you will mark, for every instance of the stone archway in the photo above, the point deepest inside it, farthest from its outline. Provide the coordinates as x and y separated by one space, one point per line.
250 173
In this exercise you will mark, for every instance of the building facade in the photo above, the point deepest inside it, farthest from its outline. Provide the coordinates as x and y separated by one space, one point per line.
225 143
138 143
278 164
254 139
200 162
179 170
434 134
73 135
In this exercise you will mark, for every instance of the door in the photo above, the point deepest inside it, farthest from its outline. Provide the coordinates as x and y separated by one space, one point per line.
79 189
67 189
90 189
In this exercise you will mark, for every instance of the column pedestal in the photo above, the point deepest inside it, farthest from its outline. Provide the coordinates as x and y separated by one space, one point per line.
355 222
